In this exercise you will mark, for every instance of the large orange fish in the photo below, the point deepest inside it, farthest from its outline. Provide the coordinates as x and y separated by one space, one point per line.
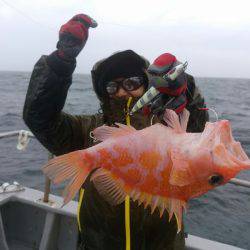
160 166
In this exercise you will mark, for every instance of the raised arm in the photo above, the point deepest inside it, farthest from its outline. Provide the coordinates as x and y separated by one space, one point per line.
48 88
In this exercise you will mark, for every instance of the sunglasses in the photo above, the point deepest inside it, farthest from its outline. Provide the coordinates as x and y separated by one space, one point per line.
128 84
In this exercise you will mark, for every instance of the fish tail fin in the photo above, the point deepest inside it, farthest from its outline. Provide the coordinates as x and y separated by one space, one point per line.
74 167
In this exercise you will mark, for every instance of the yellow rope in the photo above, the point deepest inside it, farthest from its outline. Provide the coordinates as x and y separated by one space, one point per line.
127 221
127 111
127 199
78 208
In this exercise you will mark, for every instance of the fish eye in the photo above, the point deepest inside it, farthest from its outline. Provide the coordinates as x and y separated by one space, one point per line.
215 179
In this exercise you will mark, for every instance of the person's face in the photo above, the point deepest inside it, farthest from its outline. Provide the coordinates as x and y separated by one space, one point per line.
122 93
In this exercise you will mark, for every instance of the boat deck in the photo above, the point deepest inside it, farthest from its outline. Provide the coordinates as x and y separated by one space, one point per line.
26 223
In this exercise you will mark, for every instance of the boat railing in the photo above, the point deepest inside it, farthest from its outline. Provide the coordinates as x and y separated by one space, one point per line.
23 139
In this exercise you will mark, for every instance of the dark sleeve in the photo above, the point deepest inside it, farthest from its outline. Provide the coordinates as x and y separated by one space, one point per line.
57 131
198 118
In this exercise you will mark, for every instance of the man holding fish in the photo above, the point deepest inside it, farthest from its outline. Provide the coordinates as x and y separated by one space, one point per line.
118 81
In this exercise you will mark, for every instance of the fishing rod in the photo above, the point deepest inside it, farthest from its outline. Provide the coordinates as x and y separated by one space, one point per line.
51 28
22 13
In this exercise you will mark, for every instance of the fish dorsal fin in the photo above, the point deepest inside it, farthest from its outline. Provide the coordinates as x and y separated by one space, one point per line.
105 132
180 174
171 205
110 188
172 120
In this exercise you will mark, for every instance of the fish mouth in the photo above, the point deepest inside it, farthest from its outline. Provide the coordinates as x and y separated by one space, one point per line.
233 147
228 150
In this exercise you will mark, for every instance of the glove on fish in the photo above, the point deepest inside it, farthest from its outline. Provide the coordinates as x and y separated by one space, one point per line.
73 36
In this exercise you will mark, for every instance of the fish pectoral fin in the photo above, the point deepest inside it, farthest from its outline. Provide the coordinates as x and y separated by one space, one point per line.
103 133
173 121
180 174
108 186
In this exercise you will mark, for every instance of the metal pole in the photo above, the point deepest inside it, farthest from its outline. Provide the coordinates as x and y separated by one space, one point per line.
47 190
47 184
14 133
239 182
9 134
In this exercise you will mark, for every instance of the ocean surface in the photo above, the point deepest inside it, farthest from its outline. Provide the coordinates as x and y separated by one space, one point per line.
222 214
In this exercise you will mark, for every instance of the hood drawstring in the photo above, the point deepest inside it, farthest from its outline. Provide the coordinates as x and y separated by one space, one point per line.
127 199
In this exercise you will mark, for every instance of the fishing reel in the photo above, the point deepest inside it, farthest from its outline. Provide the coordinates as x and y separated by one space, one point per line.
162 102
165 92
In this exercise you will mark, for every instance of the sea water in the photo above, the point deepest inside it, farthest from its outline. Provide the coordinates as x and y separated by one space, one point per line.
222 214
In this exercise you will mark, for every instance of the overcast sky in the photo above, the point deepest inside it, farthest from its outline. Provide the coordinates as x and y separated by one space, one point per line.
213 35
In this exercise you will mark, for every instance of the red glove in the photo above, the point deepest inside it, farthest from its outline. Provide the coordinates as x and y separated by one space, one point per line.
160 67
169 87
73 36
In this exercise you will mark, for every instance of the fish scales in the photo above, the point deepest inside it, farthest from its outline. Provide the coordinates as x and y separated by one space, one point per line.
138 161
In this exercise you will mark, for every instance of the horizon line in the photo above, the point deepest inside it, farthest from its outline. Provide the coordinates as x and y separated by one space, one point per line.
77 73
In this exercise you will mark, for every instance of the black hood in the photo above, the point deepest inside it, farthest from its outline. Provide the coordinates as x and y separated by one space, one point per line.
121 64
